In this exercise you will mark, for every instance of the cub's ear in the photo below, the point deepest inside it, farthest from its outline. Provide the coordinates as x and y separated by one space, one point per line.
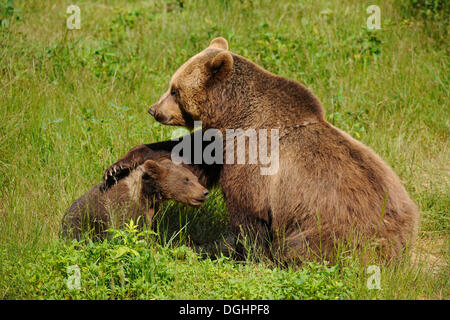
154 169
166 162
219 43
220 66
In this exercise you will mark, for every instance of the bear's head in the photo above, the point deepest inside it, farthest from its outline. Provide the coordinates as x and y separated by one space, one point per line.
172 181
182 103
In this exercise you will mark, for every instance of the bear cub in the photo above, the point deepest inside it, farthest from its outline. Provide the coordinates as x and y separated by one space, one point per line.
133 197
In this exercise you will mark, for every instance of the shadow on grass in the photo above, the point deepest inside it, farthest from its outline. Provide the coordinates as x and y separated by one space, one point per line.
205 229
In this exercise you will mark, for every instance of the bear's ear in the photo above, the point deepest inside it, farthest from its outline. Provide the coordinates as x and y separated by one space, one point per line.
219 43
164 161
154 169
220 66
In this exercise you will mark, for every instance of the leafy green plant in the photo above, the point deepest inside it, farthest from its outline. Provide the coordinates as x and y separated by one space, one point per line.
122 267
131 265
429 9
6 12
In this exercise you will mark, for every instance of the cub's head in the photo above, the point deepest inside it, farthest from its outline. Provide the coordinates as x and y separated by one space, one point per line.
172 181
181 104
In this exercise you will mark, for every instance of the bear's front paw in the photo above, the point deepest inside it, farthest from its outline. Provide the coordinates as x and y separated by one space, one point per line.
114 173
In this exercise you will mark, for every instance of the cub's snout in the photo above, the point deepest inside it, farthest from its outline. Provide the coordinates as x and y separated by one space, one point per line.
198 196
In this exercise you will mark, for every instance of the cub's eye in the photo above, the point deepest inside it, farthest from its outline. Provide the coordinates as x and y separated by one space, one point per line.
185 180
173 92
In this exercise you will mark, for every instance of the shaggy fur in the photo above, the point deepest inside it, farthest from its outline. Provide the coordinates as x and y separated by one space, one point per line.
329 190
133 197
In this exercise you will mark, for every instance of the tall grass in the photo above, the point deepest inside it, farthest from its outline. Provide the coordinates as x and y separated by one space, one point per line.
72 102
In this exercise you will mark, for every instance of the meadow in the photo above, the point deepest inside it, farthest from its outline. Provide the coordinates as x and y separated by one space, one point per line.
73 101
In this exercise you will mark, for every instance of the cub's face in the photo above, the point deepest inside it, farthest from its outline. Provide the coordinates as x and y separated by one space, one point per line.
182 103
174 182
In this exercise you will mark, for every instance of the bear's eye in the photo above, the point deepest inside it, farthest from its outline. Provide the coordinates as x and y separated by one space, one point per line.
185 180
173 92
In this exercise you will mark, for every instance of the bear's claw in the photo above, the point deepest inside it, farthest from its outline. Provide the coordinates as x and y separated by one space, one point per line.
113 174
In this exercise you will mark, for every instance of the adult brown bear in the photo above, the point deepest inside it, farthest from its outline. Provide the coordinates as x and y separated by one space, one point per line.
329 190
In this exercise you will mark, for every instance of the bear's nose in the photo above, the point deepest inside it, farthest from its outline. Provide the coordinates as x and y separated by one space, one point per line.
205 193
151 111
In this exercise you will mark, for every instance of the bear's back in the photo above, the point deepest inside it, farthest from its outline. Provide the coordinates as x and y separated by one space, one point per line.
348 185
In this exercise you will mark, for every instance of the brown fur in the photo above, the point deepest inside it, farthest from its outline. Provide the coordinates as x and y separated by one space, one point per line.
133 197
330 189
208 175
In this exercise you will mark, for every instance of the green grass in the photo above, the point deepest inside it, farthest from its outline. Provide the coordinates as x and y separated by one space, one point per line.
73 102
